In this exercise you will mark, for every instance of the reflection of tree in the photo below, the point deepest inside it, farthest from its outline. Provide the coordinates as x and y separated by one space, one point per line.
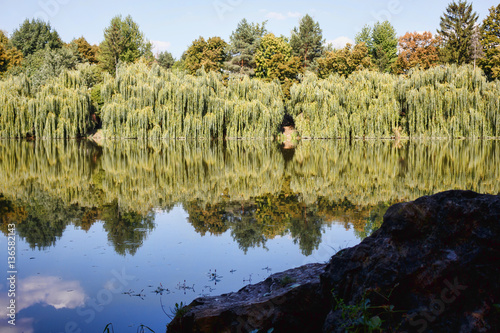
211 218
10 213
373 222
254 221
126 230
47 217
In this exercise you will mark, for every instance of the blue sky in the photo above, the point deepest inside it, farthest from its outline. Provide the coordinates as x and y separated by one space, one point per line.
173 24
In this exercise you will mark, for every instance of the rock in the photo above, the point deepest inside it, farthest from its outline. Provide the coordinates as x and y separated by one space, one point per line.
433 266
289 301
434 260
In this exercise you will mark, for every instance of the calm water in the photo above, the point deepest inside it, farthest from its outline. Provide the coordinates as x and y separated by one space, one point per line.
120 233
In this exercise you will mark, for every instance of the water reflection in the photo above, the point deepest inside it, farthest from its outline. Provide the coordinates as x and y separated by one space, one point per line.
255 190
44 290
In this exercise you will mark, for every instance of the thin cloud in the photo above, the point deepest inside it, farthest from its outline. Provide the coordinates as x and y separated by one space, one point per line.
276 16
340 42
282 16
160 46
294 14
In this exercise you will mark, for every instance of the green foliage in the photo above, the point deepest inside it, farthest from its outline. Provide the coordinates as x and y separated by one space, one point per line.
381 42
449 102
179 309
456 30
385 46
490 40
344 61
209 55
275 61
365 36
331 108
152 103
243 44
35 35
362 316
166 60
439 102
58 109
307 41
123 42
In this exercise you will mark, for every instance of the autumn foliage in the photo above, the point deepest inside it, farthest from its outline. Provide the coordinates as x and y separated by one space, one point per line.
417 49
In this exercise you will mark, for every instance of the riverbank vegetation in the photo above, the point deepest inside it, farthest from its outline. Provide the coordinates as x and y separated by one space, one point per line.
417 85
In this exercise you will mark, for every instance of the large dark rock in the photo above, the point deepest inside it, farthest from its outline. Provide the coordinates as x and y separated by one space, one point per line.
433 266
435 260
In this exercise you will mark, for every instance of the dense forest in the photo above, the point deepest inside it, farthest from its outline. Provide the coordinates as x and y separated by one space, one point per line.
418 85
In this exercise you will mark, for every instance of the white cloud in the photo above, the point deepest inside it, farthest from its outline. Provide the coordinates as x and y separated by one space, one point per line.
340 42
282 16
46 290
274 15
160 46
294 14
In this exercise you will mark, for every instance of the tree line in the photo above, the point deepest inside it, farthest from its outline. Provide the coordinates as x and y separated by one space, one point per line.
41 98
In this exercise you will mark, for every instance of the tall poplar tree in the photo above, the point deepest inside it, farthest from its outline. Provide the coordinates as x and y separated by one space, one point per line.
456 30
307 41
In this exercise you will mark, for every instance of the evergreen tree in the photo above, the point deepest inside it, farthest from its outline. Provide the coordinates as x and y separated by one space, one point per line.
166 60
35 35
456 30
385 46
382 44
365 36
490 39
243 44
307 41
123 41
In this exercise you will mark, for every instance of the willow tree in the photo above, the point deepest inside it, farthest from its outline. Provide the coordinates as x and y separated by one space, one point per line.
59 109
331 108
145 102
454 101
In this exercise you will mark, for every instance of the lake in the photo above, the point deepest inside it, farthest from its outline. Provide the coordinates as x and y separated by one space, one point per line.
120 233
